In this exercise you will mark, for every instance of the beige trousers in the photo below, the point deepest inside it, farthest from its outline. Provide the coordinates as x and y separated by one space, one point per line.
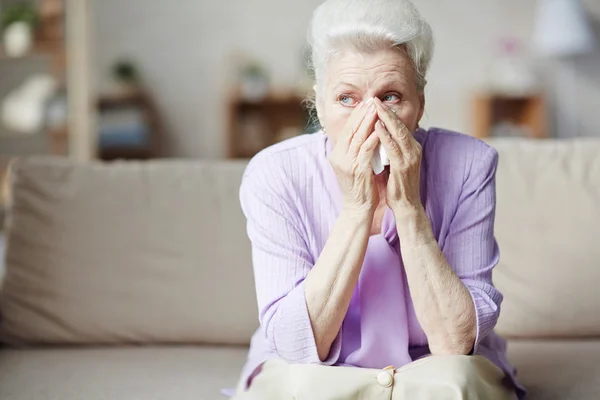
431 378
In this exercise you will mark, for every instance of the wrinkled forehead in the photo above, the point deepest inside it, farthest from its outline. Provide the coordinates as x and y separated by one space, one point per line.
367 69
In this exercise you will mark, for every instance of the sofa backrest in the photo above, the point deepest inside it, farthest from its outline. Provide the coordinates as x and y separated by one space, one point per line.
548 229
157 252
126 253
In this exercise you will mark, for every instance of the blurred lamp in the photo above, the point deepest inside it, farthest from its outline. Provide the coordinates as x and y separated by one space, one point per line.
562 29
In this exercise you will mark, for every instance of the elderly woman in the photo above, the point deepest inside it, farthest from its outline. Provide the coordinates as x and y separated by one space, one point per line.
374 284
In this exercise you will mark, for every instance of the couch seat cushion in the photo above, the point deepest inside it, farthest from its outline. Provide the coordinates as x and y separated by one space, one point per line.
551 370
558 370
153 373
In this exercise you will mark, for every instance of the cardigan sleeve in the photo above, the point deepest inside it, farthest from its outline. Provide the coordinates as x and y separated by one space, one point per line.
470 246
281 261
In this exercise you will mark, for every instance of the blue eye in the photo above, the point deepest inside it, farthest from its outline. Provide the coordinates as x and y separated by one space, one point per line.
391 98
346 100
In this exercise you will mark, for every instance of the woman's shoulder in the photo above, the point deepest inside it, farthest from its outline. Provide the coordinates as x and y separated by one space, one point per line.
455 168
452 150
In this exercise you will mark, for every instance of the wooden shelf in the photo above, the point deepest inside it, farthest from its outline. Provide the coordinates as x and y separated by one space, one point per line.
44 49
48 46
54 52
256 124
526 113
124 99
271 99
142 101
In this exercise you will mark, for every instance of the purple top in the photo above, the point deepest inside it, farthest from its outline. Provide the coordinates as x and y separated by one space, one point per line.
291 198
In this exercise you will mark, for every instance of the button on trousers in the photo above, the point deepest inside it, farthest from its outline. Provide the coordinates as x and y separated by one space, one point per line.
430 378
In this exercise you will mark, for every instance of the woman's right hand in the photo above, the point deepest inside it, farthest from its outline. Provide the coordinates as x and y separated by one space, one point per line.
351 160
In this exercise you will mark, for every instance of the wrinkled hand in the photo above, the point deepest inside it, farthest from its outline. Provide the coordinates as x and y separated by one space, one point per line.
351 160
404 152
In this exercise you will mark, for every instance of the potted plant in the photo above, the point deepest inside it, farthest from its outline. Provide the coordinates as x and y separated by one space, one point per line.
17 22
254 83
126 76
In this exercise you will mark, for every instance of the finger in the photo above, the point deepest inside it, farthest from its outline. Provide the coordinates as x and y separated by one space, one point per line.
389 144
365 128
367 150
395 126
351 126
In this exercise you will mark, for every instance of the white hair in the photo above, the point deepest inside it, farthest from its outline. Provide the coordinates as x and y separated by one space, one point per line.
369 25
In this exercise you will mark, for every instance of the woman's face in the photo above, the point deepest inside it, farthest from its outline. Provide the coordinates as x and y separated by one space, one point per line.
354 77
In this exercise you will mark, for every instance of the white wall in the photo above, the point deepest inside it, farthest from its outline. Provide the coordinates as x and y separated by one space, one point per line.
183 47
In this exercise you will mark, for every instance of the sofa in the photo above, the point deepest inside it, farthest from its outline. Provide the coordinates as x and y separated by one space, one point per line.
134 280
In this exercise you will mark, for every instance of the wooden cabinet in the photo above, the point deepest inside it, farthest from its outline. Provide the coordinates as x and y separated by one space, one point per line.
496 115
256 124
139 102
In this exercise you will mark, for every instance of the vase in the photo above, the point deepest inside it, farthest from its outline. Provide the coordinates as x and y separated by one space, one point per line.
511 73
18 39
254 88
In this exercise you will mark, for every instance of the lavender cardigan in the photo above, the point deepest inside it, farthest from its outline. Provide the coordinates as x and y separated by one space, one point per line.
291 198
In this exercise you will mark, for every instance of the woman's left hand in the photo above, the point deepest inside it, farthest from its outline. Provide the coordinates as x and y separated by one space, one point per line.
404 152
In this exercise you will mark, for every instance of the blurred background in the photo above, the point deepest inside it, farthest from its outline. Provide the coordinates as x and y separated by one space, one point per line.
209 79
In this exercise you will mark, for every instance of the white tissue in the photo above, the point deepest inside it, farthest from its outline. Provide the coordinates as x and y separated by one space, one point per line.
380 160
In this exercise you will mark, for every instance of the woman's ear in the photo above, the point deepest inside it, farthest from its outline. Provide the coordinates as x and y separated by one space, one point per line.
422 108
318 106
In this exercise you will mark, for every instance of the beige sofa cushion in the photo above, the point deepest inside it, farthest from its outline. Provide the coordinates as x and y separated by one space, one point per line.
127 252
549 370
548 228
557 369
121 373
